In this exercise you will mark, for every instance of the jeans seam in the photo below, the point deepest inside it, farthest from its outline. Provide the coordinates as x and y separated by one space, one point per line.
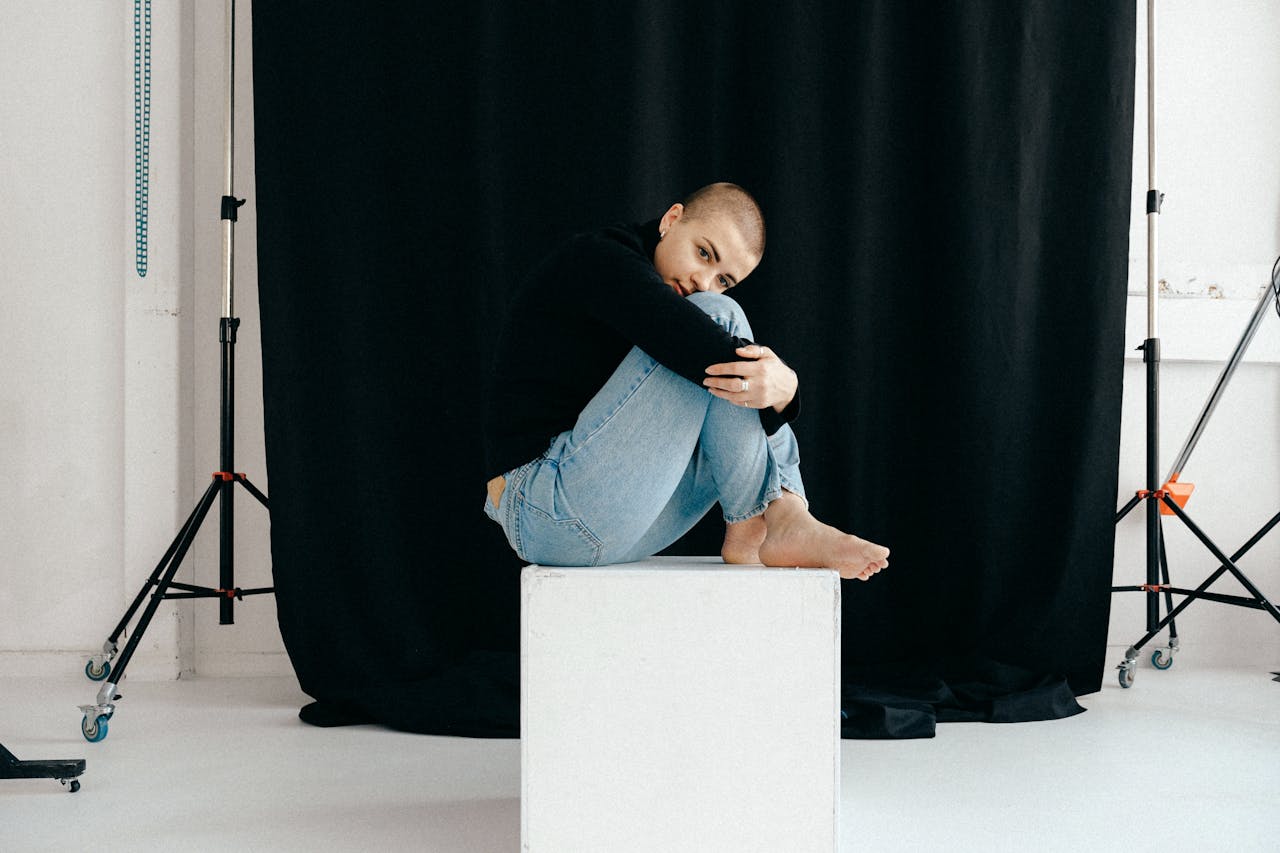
580 529
514 493
758 510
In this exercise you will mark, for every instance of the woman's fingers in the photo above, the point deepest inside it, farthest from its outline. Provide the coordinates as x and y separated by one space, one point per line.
749 399
750 389
735 368
734 383
758 354
756 384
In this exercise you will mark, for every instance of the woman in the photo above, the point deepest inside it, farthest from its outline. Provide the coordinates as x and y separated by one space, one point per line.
627 398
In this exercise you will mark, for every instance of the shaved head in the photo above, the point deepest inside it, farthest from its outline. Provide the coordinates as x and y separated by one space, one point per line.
733 202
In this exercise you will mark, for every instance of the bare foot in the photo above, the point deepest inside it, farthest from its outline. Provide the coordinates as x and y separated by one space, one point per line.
742 541
795 538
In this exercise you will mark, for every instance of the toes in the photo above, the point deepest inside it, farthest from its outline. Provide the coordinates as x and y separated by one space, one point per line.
871 569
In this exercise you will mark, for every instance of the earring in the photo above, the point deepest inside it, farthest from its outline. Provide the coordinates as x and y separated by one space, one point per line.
661 234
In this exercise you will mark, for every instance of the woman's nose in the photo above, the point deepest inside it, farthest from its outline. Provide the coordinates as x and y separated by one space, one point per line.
699 281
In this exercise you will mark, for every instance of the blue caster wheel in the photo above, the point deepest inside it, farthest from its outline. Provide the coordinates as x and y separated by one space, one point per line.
96 729
1126 677
95 672
1160 661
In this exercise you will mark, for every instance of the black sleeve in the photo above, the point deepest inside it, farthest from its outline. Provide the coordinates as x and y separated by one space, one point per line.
772 421
634 301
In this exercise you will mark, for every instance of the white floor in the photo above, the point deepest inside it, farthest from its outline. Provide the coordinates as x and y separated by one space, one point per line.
1186 760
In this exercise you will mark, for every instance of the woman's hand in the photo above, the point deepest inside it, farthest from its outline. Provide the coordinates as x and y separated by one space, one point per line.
763 381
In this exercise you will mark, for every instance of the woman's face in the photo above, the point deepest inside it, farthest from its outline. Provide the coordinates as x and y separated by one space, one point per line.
705 253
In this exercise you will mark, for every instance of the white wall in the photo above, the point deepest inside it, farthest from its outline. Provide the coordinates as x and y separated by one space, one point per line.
1217 122
67 254
109 403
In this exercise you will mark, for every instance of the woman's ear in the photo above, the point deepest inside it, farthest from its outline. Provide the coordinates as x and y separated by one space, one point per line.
670 217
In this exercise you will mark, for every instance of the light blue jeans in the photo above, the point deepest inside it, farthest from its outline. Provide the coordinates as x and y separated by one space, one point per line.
648 456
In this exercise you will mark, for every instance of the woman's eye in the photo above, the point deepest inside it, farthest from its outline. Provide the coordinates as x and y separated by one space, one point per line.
724 282
702 253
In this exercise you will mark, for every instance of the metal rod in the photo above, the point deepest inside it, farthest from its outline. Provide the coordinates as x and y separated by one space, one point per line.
1221 570
253 490
1151 357
1127 508
1153 296
1217 598
1151 347
1225 561
154 579
228 225
1227 371
1164 573
226 505
202 509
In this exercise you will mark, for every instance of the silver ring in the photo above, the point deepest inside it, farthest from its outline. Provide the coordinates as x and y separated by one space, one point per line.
746 385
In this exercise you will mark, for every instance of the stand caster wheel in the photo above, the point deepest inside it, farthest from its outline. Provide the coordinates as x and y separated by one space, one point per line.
1126 677
95 672
73 785
1160 661
96 729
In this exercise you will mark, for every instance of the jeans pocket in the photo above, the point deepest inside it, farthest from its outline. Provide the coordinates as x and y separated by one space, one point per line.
550 541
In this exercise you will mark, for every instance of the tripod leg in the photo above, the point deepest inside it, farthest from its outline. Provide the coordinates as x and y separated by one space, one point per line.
99 666
1127 508
184 543
1164 573
253 490
1159 659
1224 560
94 724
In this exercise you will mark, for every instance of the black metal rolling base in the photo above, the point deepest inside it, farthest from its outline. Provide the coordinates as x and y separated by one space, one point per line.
110 666
65 770
1255 600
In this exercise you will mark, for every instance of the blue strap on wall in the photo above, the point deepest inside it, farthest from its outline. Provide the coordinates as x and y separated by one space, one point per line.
141 126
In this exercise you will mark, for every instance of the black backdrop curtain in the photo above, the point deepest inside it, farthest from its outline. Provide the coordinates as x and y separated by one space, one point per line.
947 192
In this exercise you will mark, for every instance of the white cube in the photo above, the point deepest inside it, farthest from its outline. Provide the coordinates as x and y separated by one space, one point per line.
680 704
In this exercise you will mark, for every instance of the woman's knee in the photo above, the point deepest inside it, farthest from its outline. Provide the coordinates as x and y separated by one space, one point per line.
724 310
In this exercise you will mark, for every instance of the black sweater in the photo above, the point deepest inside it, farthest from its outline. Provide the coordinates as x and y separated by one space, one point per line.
572 322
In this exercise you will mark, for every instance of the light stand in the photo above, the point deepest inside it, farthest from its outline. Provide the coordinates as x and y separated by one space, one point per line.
1169 498
94 724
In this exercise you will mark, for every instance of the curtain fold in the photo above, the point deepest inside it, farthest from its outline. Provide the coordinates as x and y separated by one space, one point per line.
946 187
